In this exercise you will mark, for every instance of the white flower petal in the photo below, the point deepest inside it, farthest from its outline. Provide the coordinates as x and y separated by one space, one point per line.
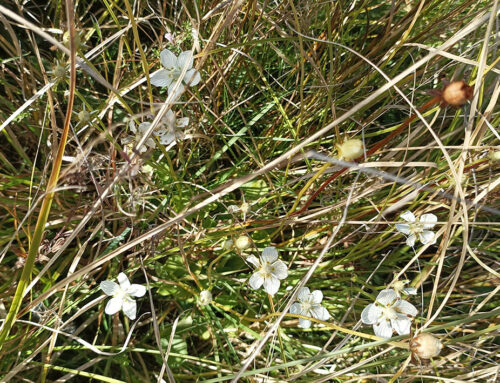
427 237
179 90
132 127
256 280
123 281
371 314
403 228
303 294
429 220
317 296
408 216
279 270
114 305
383 329
319 312
144 127
109 287
410 290
271 285
130 308
136 290
405 307
167 139
296 308
269 254
168 59
386 297
182 122
402 325
185 60
161 78
304 323
253 260
192 77
410 241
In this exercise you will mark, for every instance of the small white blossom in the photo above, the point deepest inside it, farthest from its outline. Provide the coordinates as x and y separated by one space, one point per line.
309 305
169 128
388 313
173 68
399 287
205 298
414 228
122 294
139 132
269 271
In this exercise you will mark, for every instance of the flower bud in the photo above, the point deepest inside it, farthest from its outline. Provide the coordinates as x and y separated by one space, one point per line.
425 346
494 156
350 149
243 242
84 116
205 298
457 93
228 244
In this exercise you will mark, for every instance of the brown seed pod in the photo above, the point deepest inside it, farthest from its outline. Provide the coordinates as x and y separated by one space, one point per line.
425 346
457 93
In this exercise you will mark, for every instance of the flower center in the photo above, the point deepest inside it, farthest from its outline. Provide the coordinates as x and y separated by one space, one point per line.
306 306
266 270
389 313
416 228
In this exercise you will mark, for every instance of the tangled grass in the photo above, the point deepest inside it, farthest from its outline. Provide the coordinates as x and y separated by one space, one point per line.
283 84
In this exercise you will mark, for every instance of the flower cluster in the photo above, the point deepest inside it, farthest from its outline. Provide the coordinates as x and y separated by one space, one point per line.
388 314
168 130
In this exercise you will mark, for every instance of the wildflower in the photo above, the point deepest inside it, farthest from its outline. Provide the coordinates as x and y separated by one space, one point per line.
309 305
205 298
350 149
399 287
414 228
243 242
268 271
173 69
139 132
122 294
425 346
169 128
388 313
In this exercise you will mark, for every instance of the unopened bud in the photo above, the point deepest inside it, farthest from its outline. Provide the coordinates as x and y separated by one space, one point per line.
243 242
350 149
425 346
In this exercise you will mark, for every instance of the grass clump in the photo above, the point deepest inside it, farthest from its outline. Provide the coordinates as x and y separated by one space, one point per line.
175 201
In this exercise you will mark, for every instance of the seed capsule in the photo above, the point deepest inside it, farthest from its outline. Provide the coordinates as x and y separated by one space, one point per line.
457 93
425 346
243 242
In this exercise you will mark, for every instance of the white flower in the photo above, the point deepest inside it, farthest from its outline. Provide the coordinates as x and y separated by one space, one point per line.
122 296
414 228
268 271
205 298
173 68
139 132
309 306
399 287
388 313
169 128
